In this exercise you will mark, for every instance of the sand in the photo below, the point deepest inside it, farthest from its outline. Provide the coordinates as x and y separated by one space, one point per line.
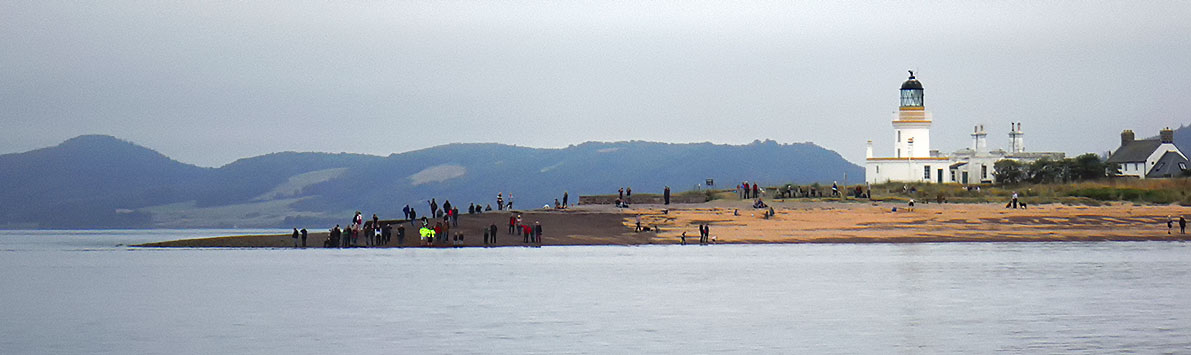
796 222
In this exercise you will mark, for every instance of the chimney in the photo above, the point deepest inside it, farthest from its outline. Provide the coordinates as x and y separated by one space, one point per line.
1126 137
1166 135
868 152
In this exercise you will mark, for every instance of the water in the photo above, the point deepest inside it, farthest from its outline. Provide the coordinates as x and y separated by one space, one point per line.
81 292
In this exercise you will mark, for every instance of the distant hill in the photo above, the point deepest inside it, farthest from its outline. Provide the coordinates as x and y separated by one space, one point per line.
1182 138
105 182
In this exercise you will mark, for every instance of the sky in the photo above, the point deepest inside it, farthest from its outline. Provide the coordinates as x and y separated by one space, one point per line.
210 82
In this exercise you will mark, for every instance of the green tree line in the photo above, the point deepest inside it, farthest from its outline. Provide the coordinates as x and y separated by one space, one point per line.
1081 168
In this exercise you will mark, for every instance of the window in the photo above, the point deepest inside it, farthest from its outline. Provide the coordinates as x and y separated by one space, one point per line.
926 172
899 136
983 171
1182 166
899 152
878 169
953 176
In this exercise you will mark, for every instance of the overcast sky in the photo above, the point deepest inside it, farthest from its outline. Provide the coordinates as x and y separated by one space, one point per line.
209 82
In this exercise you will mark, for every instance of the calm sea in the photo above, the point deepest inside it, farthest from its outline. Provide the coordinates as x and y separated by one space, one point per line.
74 292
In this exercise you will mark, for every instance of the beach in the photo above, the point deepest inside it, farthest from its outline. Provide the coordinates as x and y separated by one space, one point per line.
735 222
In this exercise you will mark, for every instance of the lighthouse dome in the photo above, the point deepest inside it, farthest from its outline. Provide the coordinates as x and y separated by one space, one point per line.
912 83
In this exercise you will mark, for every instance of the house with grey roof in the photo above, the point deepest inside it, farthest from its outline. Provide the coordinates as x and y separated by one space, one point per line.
1149 158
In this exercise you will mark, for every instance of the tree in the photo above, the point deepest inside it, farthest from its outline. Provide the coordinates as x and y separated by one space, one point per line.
1043 171
1088 167
1009 172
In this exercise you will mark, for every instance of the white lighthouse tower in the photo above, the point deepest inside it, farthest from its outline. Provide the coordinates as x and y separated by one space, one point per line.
911 123
911 160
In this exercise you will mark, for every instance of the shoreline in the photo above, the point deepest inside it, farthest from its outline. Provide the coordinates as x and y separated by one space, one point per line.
794 223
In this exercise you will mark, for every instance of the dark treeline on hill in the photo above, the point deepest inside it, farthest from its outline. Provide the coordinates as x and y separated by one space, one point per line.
105 182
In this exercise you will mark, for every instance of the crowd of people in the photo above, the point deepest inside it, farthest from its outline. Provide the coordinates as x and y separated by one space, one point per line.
438 228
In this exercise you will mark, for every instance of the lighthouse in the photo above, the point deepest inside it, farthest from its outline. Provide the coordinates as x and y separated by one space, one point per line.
912 122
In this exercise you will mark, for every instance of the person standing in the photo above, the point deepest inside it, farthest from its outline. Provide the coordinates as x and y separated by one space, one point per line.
1182 225
405 212
492 232
565 195
413 215
756 190
620 194
433 208
512 223
666 195
628 194
1169 224
500 201
400 234
303 237
295 237
537 232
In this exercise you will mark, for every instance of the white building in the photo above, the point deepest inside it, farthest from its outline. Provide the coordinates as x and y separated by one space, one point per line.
1149 158
914 161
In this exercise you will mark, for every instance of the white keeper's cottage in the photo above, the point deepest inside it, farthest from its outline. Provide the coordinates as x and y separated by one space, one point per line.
1149 158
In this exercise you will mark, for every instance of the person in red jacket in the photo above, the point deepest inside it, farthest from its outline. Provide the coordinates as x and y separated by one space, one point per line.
512 223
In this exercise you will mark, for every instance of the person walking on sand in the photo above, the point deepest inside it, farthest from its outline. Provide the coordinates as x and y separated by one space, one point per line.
666 195
683 238
1169 224
295 237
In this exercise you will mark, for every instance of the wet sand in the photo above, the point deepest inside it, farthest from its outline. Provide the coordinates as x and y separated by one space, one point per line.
794 222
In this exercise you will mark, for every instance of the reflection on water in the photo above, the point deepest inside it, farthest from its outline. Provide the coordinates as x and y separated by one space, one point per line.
67 292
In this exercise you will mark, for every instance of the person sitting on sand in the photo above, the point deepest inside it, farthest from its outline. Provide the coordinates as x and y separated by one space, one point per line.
759 204
911 205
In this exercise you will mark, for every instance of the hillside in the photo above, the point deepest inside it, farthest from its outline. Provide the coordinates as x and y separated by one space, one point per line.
104 182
